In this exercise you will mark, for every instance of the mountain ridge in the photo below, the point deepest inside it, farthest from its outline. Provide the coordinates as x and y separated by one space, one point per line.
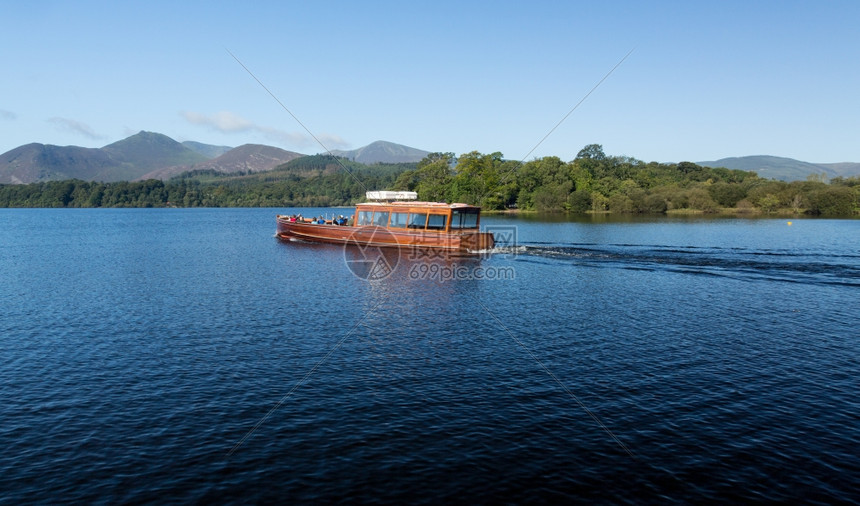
151 155
207 150
123 160
785 169
150 150
247 158
383 152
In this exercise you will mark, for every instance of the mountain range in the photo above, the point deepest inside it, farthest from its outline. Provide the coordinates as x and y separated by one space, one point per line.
150 155
785 169
123 160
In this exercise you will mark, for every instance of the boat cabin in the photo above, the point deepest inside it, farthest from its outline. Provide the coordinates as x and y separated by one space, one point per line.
419 216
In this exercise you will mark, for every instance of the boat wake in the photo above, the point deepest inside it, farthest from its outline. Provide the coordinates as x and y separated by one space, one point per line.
739 263
500 250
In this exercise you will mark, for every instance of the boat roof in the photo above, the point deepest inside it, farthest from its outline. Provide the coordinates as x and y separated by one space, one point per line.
391 195
436 205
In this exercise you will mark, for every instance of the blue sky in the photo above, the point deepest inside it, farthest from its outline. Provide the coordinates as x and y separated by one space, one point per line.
705 80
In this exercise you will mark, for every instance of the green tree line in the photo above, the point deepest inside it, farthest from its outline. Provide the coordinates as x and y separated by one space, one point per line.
592 182
595 182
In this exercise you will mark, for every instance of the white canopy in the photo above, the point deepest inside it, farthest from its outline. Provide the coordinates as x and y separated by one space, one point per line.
391 195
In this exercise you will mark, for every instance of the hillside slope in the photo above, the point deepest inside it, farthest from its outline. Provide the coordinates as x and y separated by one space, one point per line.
248 158
207 150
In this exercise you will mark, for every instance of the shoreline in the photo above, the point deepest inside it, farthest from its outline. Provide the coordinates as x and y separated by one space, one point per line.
724 211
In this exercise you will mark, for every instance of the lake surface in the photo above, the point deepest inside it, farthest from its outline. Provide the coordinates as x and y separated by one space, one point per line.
188 355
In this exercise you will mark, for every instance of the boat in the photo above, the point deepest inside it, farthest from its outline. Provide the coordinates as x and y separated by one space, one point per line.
393 220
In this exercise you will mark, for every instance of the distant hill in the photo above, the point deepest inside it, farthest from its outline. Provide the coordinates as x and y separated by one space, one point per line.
245 158
149 150
844 169
207 150
785 169
124 160
44 162
383 152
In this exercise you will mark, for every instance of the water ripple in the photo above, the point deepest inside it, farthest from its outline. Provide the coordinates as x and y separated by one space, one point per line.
139 347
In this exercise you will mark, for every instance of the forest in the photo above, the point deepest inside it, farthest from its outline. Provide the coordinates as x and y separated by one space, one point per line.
591 183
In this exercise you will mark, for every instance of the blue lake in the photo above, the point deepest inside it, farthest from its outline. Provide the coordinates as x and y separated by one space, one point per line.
187 355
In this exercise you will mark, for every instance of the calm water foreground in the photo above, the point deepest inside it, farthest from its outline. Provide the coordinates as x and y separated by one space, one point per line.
188 355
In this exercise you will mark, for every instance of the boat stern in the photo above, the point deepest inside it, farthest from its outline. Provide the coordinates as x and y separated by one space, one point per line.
477 241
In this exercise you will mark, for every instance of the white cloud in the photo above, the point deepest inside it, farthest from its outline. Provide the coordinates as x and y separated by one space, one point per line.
227 122
292 138
223 121
76 127
333 141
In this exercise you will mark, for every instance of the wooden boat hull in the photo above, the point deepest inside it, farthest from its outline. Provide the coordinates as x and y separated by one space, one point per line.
467 242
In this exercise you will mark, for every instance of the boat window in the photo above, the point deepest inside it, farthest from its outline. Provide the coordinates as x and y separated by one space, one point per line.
436 222
398 220
417 220
464 218
380 218
364 218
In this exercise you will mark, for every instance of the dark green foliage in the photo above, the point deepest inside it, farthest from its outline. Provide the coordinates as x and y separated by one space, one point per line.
579 201
699 199
486 180
620 203
654 204
591 152
832 201
727 194
432 179
553 197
